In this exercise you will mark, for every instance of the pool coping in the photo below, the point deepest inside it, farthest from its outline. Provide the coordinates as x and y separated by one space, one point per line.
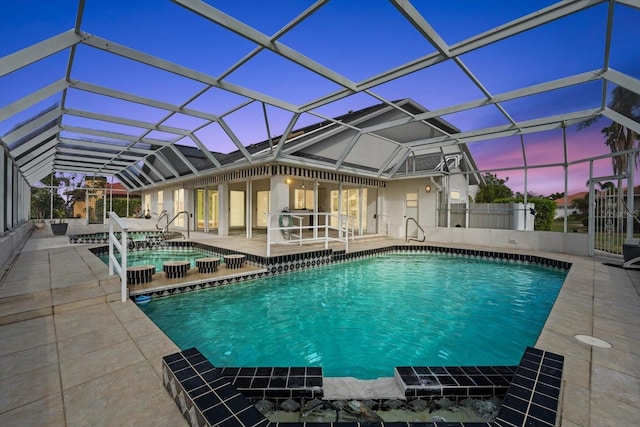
209 396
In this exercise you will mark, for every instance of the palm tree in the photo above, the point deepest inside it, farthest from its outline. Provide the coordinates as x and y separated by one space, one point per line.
617 137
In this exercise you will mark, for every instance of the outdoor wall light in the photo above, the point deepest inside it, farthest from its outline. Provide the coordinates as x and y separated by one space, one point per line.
288 180
427 188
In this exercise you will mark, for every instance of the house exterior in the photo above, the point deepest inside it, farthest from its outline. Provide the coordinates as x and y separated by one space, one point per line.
319 171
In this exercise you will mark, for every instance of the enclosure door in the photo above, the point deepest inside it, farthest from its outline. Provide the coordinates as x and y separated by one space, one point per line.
411 211
608 225
212 209
96 207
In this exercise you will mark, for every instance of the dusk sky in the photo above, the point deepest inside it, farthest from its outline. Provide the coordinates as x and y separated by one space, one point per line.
356 39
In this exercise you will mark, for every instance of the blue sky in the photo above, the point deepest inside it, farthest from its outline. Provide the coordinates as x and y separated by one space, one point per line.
355 39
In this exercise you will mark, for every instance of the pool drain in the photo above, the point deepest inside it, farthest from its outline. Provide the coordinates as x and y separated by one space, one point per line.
596 342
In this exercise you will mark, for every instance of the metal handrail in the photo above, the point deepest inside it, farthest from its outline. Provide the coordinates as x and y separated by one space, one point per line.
406 231
287 230
163 214
165 229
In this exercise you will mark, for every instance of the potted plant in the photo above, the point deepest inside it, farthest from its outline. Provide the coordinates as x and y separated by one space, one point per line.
39 224
59 228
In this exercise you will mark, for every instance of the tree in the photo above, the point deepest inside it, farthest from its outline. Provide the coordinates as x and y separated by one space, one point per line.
581 204
41 198
493 188
617 137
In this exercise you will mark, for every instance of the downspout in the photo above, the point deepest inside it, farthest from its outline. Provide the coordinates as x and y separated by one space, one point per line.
439 190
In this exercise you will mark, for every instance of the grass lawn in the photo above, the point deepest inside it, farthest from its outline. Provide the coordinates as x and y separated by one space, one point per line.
573 225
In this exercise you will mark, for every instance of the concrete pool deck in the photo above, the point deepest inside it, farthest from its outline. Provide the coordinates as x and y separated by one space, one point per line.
73 355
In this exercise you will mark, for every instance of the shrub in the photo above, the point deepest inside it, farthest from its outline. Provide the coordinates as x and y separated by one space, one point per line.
545 210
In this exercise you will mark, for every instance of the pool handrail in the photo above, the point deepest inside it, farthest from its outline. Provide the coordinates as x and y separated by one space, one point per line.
165 214
120 246
407 238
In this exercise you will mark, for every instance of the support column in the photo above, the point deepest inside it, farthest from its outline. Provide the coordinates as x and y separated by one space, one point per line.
278 200
248 213
630 195
10 196
86 204
315 208
5 196
223 209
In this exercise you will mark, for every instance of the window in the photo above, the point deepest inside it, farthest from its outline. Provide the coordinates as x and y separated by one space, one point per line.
303 199
411 199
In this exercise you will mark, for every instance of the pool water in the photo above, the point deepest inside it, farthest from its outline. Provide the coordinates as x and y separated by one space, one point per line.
157 257
365 317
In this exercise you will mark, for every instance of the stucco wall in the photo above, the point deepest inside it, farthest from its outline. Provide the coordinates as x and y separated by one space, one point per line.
13 240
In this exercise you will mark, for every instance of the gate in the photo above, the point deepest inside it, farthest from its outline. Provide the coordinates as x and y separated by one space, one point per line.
609 222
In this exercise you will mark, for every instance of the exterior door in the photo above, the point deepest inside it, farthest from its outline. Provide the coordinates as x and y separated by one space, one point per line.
200 209
236 209
212 209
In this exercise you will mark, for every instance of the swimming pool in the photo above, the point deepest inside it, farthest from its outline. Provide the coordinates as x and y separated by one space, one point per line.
158 257
365 317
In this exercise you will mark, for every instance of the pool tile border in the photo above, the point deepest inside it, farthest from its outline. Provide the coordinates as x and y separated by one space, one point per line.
209 396
454 381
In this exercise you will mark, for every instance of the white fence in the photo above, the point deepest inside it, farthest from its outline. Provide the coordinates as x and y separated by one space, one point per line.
495 216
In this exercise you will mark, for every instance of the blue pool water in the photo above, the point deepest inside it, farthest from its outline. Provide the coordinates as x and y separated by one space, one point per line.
158 257
365 317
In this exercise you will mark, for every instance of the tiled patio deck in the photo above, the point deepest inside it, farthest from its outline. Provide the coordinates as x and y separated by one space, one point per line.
73 355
